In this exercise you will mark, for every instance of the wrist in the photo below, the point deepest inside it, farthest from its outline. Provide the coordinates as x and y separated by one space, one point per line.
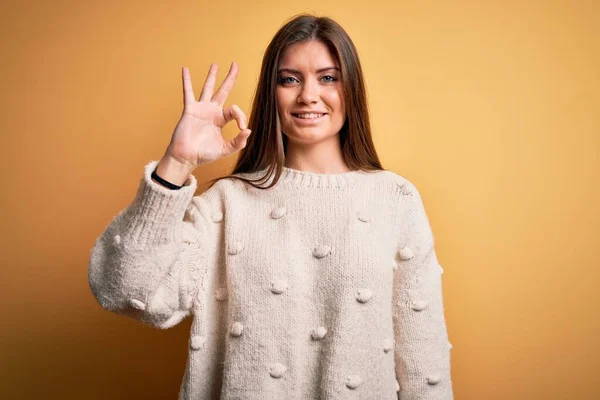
173 171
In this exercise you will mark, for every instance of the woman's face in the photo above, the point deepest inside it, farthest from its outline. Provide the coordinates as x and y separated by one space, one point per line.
310 99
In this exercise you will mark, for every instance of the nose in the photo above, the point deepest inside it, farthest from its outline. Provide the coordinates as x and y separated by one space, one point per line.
309 93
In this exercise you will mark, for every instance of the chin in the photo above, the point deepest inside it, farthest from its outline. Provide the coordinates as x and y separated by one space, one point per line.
308 136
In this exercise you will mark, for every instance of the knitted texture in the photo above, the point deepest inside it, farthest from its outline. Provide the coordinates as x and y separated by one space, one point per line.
326 286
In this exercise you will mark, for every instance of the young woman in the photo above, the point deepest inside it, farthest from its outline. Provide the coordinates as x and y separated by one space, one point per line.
310 272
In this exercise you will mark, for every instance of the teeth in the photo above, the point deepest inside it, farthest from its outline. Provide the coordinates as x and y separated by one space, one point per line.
309 115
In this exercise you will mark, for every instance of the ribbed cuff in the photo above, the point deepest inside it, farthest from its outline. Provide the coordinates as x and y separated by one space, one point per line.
156 211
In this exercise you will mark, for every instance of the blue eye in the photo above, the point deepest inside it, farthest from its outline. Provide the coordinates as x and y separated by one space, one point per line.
287 79
330 78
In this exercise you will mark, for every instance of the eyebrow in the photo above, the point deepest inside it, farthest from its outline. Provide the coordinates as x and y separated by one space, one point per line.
298 72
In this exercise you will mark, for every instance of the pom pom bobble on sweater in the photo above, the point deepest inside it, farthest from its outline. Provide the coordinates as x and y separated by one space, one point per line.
326 286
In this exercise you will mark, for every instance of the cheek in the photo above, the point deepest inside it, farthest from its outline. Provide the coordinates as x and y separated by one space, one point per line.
335 101
283 100
340 99
342 106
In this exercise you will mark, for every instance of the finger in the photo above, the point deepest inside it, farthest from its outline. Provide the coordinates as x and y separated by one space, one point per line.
188 91
234 112
226 86
209 83
237 143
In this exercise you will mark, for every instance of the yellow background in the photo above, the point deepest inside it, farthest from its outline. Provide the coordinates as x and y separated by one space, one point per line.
490 108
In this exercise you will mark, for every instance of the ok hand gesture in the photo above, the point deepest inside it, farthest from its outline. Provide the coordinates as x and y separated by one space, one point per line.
198 136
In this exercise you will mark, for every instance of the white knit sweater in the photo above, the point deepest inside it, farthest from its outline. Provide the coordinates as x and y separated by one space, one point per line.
326 286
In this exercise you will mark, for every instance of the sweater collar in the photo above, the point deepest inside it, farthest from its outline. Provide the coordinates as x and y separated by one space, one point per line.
295 177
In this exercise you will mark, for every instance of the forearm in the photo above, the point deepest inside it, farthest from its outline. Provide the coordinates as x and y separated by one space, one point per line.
422 350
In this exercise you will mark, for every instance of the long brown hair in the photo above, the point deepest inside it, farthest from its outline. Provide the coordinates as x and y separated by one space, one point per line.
266 147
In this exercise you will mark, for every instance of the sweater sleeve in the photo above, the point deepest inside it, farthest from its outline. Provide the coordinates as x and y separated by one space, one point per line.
422 349
148 261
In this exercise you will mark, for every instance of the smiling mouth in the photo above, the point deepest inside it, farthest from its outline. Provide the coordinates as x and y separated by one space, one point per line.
309 115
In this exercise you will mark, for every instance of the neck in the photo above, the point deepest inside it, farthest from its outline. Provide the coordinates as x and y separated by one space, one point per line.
323 158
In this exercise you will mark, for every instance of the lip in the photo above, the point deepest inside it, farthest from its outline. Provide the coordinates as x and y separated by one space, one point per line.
308 121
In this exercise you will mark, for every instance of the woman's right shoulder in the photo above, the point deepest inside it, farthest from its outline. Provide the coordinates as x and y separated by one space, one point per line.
223 190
